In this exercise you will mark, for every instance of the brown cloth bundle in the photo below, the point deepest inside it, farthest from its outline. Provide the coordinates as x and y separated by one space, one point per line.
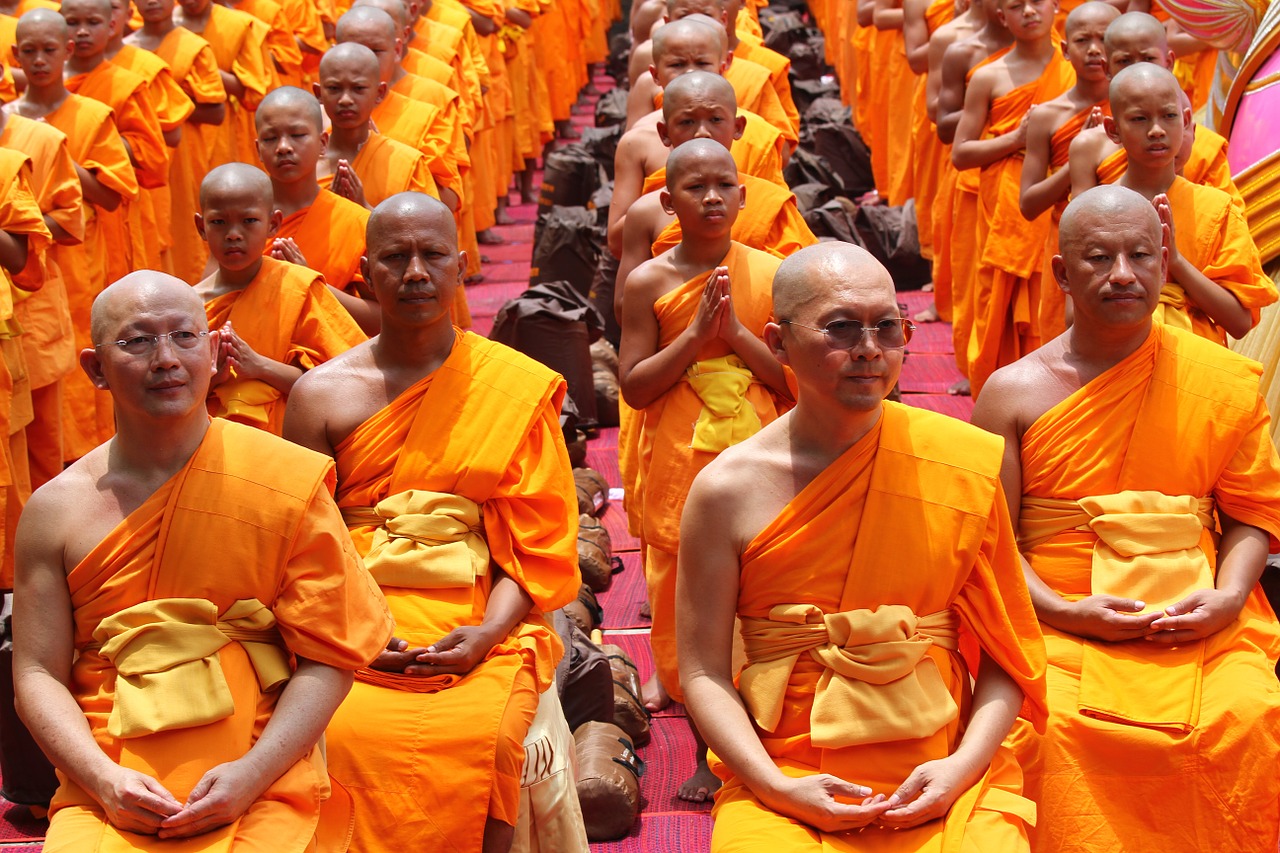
593 491
595 553
629 712
609 774
584 677
604 373
585 611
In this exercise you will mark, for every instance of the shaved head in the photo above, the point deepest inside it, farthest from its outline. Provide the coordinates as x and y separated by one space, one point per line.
643 17
677 9
1107 203
236 179
697 151
351 56
42 21
698 84
394 8
1140 80
714 23
1092 12
365 19
1137 28
409 209
803 277
698 30
291 96
103 6
138 293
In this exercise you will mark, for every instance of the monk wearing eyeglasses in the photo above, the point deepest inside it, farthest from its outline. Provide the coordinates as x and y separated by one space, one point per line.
693 364
861 543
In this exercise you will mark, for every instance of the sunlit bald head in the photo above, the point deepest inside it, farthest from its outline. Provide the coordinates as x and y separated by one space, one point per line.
695 153
698 85
365 23
235 180
1109 204
808 275
409 210
677 9
687 31
140 294
42 23
349 58
1142 82
1092 13
396 9
295 101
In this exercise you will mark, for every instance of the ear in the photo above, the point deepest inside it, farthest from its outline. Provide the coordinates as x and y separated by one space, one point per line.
1111 129
1170 59
1059 269
1063 45
315 90
200 227
726 62
662 134
382 92
215 344
742 197
399 47
1186 119
1164 259
324 142
92 366
773 340
462 267
739 126
664 199
653 72
273 224
364 270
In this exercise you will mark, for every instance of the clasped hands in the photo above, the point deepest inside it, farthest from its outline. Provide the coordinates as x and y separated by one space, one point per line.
136 802
1110 619
716 317
456 653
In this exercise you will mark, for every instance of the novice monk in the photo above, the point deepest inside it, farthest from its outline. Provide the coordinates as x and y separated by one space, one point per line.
361 164
1216 286
846 531
320 229
693 366
991 136
178 698
1139 459
275 320
195 68
107 179
1046 179
429 743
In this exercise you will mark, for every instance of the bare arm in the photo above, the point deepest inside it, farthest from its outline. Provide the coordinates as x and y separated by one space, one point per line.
209 114
970 150
637 246
95 192
645 371
1082 160
13 251
235 352
1218 303
866 10
915 33
887 14
951 96
628 181
365 312
60 235
459 651
1040 190
230 82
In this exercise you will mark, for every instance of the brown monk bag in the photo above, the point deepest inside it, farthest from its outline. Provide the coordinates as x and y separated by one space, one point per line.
585 611
593 491
604 373
609 772
583 676
595 553
629 713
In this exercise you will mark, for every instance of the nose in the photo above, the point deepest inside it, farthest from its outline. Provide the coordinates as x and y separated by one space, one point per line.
416 270
346 98
165 354
1122 270
703 132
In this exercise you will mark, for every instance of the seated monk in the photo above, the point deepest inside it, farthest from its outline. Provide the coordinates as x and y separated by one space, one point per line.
359 163
429 743
1138 460
845 531
320 229
1215 286
182 695
275 320
692 353
1095 158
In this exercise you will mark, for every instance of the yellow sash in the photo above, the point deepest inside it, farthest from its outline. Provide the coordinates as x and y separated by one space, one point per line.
245 401
424 540
727 417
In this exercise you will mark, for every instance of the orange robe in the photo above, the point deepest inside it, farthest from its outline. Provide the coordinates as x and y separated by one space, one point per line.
1006 292
873 99
779 68
289 315
386 167
668 460
48 339
770 221
239 42
406 747
759 150
95 144
1053 302
195 67
900 91
753 85
1213 235
927 151
828 549
422 126
1126 718
330 234
942 222
263 505
281 45
446 130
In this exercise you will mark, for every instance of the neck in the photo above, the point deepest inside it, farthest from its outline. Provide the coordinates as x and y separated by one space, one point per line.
1092 91
225 280
828 431
347 140
992 33
159 29
114 45
1099 349
292 197
197 20
701 251
1042 48
85 64
1149 181
417 349
45 99
156 451
397 74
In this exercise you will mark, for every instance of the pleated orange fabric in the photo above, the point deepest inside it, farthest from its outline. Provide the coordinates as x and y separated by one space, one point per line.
330 234
1053 302
770 221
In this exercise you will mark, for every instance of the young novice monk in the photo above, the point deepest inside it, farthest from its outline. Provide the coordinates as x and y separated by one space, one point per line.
275 319
693 360
1046 180
1216 285
991 135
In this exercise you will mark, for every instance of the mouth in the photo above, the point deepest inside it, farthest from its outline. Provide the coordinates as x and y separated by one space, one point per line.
167 386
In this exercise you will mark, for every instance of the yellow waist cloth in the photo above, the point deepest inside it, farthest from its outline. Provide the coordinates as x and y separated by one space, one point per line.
245 401
878 684
424 540
1172 309
165 653
1148 549
727 417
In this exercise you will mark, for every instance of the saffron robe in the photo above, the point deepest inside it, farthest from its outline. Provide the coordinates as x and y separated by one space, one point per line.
1053 302
1102 779
239 42
396 743
759 150
289 315
754 88
422 126
927 151
779 68
1006 293
446 129
262 505
900 94
281 45
667 459
95 144
828 549
386 167
330 234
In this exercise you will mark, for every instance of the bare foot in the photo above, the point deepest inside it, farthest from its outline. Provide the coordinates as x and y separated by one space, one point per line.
928 315
645 612
654 695
699 787
488 238
959 389
528 198
501 217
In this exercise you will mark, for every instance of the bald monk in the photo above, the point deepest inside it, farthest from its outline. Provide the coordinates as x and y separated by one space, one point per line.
194 68
1096 159
114 554
992 137
107 179
1216 286
275 320
320 229
239 42
458 686
820 535
359 163
693 366
1133 430
1051 128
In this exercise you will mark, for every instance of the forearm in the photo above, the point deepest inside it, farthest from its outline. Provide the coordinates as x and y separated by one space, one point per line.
364 311
60 235
214 114
13 251
95 192
717 709
60 728
976 153
1044 194
173 137
1242 557
1050 607
996 702
278 375
658 374
887 19
1218 303
306 704
507 607
760 361
230 82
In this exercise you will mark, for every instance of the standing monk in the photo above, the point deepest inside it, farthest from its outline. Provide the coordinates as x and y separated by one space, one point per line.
430 741
857 540
188 609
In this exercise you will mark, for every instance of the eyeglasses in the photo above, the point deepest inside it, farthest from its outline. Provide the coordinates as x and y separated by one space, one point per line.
846 334
143 344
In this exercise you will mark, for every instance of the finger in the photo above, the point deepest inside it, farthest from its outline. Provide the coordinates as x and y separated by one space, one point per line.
909 789
448 641
1172 638
841 787
202 788
429 670
397 645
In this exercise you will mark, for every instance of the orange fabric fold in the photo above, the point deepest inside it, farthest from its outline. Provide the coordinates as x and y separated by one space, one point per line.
770 221
330 234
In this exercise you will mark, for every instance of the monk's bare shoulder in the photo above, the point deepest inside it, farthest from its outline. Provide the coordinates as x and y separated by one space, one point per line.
345 385
748 484
1017 394
653 278
65 515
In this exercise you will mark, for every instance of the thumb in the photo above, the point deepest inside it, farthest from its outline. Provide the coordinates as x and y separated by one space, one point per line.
908 790
154 786
1130 605
837 786
448 641
202 788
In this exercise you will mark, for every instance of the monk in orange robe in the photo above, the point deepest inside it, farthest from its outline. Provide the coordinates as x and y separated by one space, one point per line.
897 91
843 533
692 364
239 44
106 178
321 229
920 19
194 67
1216 285
275 320
992 136
754 50
398 415
212 734
1046 180
282 47
1139 460
47 339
